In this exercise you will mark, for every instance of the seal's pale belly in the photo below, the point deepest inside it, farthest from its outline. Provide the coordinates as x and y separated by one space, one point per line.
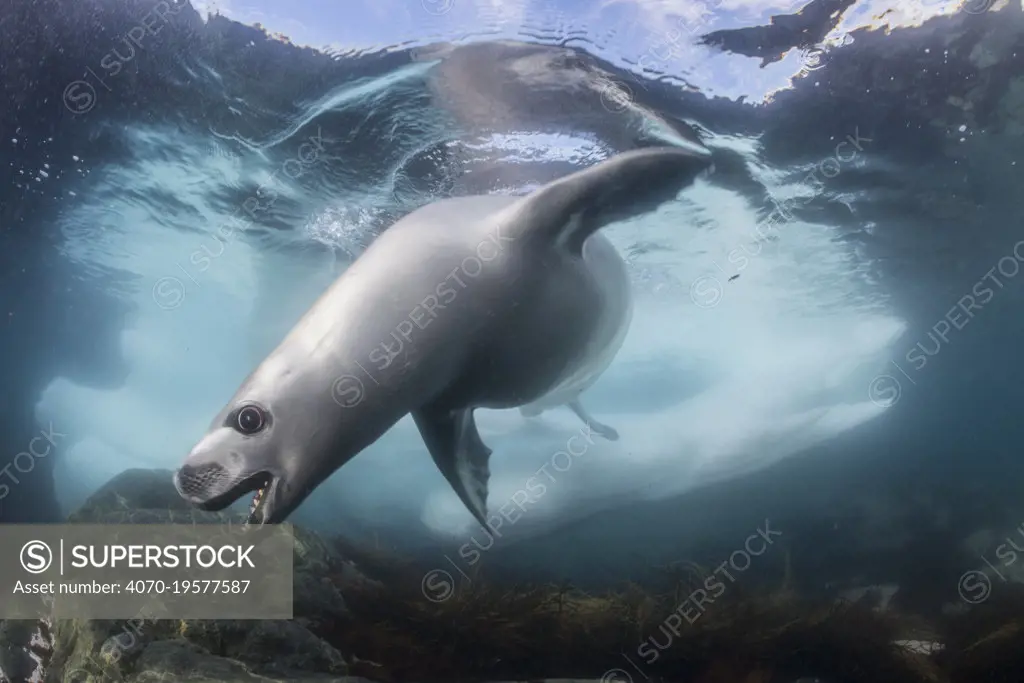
610 272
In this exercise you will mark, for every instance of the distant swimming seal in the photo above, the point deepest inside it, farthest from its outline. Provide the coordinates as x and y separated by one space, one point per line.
472 302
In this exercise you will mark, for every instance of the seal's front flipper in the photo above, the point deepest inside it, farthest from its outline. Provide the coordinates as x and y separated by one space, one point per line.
595 426
460 454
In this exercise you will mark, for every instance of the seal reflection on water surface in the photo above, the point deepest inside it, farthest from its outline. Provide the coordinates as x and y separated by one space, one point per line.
532 329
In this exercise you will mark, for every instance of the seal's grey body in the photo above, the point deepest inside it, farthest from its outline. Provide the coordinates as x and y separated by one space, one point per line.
474 302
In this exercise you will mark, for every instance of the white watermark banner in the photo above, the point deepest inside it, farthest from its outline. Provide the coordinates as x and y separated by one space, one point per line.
173 571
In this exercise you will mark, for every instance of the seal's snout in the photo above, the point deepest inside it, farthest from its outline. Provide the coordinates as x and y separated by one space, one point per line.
212 487
196 482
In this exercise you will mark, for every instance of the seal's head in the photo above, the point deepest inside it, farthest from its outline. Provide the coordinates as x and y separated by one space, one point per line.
260 443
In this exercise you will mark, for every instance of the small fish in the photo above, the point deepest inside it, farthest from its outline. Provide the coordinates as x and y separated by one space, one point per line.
734 277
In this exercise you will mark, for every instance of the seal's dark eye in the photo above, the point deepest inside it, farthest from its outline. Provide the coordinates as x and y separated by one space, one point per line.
250 420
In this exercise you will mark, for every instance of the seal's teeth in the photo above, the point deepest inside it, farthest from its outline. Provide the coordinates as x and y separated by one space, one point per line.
256 499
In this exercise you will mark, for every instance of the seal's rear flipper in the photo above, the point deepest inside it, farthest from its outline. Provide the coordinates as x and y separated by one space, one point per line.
570 209
595 426
460 454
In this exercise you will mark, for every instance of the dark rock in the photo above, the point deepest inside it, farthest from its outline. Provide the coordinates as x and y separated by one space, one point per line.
89 651
17 631
133 491
179 659
98 649
285 645
15 659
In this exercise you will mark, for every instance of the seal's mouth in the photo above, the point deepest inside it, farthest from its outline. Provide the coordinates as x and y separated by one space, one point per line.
263 485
